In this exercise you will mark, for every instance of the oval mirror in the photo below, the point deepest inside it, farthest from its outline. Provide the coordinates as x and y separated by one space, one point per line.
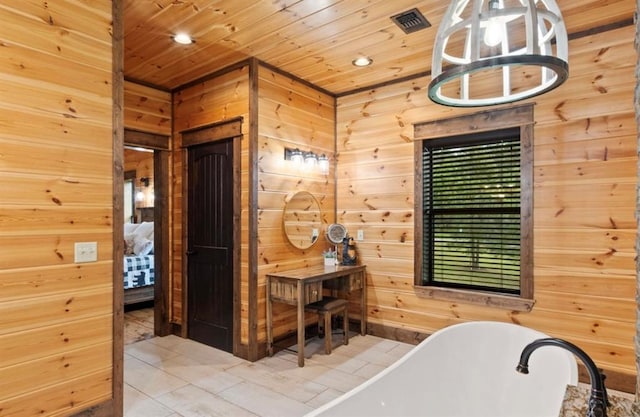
301 220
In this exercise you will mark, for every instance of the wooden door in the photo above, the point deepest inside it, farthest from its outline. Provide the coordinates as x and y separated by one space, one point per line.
210 244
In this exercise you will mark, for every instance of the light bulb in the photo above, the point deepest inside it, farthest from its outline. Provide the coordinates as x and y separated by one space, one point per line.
323 163
297 157
183 39
310 160
362 61
493 32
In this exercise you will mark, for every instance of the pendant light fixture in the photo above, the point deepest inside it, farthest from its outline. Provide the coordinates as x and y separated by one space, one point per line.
491 52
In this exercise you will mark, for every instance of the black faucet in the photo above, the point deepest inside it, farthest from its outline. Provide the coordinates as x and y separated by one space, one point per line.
598 401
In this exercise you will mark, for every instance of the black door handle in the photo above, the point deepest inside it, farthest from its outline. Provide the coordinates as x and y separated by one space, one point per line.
192 252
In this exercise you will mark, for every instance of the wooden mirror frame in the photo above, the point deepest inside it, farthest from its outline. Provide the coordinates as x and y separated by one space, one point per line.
302 219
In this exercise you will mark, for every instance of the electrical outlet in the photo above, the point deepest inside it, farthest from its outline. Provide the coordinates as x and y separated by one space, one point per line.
86 252
360 235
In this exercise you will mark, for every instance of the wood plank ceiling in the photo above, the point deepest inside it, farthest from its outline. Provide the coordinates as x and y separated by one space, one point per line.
316 40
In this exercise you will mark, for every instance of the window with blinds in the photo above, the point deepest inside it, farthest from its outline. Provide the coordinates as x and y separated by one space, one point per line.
471 217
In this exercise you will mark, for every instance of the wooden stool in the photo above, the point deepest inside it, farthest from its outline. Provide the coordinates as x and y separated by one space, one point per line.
325 308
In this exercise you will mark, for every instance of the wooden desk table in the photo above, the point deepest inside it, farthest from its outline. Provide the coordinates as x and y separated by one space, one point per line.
303 286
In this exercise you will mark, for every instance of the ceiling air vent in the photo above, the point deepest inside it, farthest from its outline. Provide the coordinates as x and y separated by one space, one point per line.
411 21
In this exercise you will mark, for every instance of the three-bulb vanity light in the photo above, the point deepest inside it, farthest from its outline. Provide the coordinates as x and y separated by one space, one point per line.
309 160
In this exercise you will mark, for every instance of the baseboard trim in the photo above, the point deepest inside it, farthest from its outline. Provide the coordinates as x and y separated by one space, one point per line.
395 333
176 329
104 409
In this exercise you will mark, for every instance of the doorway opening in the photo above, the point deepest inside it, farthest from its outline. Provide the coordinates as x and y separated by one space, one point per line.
139 238
146 236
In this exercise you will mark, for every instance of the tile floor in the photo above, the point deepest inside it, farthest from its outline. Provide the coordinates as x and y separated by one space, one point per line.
171 377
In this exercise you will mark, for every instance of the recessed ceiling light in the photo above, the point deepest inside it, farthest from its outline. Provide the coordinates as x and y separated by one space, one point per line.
183 39
363 61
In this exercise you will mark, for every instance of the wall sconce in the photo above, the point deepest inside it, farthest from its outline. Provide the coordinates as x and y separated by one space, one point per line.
141 195
309 160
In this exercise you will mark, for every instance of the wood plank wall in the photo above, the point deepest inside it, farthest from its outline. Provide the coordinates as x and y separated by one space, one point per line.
294 115
220 98
56 167
147 109
142 163
584 203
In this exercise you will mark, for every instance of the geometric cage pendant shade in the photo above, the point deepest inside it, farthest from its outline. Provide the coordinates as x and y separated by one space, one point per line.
491 52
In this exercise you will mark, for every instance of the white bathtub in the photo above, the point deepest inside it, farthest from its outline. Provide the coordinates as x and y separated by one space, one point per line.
465 370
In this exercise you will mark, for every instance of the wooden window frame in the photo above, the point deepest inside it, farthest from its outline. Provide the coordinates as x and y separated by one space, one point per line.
486 121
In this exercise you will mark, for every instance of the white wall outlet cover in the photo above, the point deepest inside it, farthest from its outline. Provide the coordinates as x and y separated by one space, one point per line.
85 252
360 235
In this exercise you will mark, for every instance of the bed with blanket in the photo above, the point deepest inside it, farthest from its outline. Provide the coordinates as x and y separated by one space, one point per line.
139 271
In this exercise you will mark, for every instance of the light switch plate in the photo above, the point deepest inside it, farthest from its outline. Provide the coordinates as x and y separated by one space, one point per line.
360 235
86 252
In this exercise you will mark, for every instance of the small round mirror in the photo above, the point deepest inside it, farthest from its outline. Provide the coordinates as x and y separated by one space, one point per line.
336 233
301 220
